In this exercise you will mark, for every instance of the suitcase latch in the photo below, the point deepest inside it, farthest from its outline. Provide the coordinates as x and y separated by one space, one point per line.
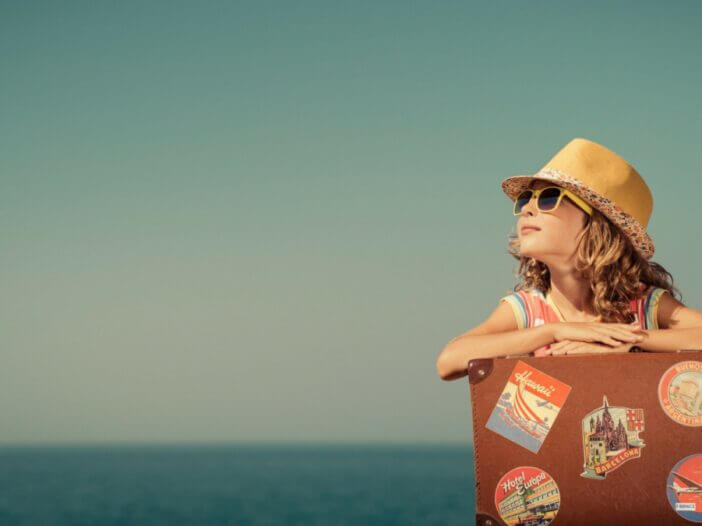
479 369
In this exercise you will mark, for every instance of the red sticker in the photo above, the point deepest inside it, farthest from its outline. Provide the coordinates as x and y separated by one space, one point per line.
527 495
528 406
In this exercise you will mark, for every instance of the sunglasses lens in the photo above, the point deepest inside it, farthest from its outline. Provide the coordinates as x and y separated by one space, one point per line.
522 199
549 198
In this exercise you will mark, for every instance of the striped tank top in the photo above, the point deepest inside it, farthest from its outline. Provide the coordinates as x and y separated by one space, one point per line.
533 308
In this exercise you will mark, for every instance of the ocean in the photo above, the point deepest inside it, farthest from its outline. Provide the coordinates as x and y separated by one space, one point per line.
238 484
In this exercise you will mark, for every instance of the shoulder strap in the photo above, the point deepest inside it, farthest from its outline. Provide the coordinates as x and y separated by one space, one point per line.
651 307
519 306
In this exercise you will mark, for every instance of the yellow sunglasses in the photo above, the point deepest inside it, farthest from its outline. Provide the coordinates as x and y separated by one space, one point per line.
548 199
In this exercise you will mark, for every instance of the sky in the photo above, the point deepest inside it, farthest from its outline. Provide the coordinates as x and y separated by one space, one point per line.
263 221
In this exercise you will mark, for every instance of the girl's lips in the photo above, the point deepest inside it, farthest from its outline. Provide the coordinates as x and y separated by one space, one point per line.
528 229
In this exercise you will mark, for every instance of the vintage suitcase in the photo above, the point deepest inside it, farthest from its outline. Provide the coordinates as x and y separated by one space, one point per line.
588 440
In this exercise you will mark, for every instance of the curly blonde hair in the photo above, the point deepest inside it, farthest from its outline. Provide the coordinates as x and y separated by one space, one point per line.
605 257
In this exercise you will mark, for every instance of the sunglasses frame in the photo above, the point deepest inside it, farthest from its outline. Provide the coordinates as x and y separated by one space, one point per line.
563 192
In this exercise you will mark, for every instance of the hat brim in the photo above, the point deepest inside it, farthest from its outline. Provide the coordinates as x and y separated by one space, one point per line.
642 242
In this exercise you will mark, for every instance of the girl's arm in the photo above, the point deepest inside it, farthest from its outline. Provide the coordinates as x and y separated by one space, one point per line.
672 340
499 335
680 328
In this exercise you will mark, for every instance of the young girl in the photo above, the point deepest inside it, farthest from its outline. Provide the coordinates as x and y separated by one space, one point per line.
587 285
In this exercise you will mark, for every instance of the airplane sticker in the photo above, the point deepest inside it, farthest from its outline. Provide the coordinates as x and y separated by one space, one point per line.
684 488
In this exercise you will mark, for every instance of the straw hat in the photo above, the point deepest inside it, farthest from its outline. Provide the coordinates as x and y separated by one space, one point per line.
605 181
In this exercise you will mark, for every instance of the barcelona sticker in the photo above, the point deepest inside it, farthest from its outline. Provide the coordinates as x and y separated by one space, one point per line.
527 495
680 393
610 438
684 488
528 406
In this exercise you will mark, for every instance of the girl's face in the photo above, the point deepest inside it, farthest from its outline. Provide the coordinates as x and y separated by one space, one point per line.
558 231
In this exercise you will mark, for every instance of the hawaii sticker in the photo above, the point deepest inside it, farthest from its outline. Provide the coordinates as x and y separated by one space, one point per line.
684 488
680 393
527 495
528 406
610 438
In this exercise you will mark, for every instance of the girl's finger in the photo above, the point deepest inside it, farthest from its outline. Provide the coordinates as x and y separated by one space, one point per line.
627 327
580 351
567 347
633 336
608 340
608 336
587 348
556 346
624 334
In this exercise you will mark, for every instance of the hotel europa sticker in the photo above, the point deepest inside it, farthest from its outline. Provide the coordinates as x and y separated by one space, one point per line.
684 488
527 495
680 393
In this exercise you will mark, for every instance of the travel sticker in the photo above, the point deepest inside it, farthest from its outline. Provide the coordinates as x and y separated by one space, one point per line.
527 495
610 438
684 488
528 406
680 393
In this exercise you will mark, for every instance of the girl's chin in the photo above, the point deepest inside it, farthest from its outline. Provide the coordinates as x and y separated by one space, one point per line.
529 252
528 247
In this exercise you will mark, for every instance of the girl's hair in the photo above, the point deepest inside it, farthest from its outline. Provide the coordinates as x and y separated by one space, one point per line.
609 262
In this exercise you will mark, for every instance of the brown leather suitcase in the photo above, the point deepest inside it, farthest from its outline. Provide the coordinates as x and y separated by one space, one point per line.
588 440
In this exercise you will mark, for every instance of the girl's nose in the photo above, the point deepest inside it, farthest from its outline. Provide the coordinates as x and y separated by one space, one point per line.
530 207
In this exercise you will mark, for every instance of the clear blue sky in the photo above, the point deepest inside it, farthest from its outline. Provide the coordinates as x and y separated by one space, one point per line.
264 220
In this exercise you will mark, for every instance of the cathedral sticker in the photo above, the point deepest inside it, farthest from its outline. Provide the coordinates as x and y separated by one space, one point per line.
680 393
528 406
610 438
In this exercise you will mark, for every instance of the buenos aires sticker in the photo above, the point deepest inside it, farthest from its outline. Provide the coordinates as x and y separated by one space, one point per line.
680 393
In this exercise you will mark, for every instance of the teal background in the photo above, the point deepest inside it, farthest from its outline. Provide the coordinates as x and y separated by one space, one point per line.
262 221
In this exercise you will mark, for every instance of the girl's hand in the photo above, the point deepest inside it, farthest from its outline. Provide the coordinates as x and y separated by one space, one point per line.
579 347
613 334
